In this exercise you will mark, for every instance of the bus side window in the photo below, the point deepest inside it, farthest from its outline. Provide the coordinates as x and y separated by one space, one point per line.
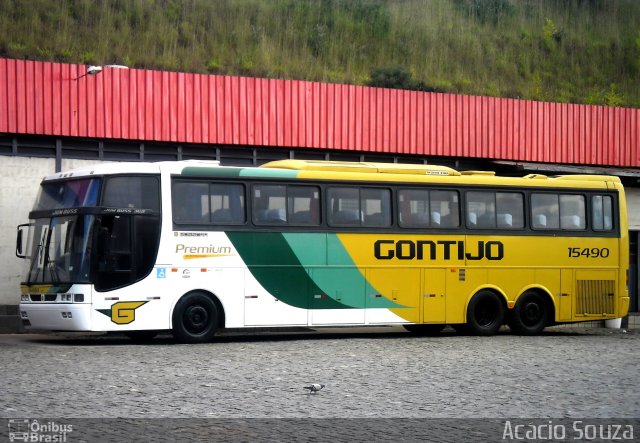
510 210
375 206
190 202
483 205
421 208
269 204
602 212
445 203
545 212
343 205
303 205
227 204
413 208
572 212
140 192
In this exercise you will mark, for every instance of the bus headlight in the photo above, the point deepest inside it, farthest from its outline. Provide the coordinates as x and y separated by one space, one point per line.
78 298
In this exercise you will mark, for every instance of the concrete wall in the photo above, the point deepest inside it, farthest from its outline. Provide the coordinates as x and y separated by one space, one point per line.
19 181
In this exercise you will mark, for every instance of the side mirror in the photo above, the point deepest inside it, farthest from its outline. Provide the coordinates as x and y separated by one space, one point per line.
21 241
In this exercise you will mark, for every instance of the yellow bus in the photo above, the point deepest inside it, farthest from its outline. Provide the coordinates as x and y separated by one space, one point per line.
193 247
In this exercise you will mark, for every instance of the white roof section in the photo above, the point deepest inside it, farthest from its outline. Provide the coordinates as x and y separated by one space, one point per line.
110 168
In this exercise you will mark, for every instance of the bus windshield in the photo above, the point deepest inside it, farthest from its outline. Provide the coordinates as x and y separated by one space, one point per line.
67 194
61 249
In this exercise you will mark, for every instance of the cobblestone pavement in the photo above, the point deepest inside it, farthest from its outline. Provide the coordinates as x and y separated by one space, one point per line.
386 373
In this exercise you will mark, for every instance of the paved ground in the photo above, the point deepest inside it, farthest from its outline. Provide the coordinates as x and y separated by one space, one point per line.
385 373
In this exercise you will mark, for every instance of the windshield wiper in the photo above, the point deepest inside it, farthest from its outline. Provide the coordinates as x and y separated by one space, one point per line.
45 258
34 259
53 271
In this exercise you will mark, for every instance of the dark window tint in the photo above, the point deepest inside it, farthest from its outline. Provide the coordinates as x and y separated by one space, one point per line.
344 207
226 204
206 203
359 207
286 204
141 192
269 204
127 247
68 194
375 205
303 205
190 202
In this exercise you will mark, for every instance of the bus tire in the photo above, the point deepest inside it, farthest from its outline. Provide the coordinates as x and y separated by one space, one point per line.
195 318
485 313
424 329
530 315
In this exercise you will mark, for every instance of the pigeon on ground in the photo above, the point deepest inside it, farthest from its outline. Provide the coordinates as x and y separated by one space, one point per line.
314 387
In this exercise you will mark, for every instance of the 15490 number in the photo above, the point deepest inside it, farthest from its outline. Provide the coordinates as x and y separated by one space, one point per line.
589 252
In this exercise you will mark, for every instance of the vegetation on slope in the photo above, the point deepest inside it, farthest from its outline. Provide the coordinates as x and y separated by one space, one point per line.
580 51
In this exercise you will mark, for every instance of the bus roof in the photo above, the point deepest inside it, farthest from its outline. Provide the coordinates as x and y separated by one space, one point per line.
418 172
372 168
337 170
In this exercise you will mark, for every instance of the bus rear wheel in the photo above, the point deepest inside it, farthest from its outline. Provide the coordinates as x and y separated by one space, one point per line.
485 313
195 318
529 316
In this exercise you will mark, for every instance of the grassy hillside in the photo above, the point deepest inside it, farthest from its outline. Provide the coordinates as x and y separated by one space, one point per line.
580 51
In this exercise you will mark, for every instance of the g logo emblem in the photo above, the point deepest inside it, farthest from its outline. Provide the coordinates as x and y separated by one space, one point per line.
123 312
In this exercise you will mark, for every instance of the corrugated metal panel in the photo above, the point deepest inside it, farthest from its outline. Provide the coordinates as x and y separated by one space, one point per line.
57 99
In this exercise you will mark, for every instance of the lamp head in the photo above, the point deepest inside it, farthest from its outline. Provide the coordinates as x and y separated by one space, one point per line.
93 70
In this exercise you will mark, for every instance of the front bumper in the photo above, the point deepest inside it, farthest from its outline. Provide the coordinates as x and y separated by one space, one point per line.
56 316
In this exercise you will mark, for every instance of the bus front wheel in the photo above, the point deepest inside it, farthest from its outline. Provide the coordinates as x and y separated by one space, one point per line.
485 313
529 316
195 318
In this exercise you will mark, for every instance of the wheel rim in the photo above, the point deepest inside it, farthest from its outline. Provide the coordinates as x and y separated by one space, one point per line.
196 319
531 313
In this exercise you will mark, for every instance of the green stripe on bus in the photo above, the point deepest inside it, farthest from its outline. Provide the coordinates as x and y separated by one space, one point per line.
272 262
194 171
334 271
293 267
